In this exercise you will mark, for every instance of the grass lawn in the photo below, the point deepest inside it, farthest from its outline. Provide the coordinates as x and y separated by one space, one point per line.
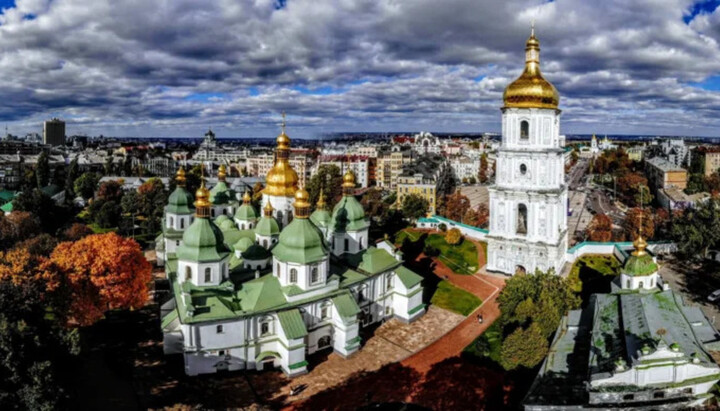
488 344
403 234
461 258
454 299
593 274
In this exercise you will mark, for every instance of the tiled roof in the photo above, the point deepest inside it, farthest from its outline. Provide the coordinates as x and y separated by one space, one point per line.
346 305
292 323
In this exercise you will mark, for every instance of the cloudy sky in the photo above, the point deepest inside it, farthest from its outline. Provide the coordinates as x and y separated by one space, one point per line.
177 67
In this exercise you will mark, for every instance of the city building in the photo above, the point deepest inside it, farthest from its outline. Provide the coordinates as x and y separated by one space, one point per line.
465 168
422 177
528 203
301 160
711 158
210 150
359 165
635 153
54 132
674 198
268 296
637 347
390 164
661 173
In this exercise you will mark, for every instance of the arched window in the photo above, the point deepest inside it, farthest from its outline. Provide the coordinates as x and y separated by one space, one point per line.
293 275
347 245
212 212
208 275
278 269
182 223
641 284
266 326
265 243
522 219
314 276
389 284
325 310
627 284
361 294
242 226
524 130
172 222
188 273
360 243
222 269
523 169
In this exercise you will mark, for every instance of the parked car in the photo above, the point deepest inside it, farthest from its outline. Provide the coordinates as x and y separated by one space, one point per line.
714 296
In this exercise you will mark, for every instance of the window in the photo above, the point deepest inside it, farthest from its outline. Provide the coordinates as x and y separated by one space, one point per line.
628 397
524 130
314 276
523 169
219 329
208 275
347 245
324 341
177 243
627 284
278 269
221 353
325 312
293 275
360 243
212 212
640 284
265 328
222 269
361 294
188 273
265 243
522 219
389 282
688 390
659 394
242 226
172 222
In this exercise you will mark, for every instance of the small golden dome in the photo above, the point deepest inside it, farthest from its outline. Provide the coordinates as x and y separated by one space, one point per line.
531 90
640 244
180 176
247 199
202 199
281 180
283 141
302 203
222 172
268 209
320 205
349 179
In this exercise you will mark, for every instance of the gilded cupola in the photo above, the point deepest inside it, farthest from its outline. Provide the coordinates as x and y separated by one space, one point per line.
302 204
202 201
348 184
531 90
281 180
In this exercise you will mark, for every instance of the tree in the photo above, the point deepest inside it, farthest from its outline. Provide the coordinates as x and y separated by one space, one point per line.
110 191
524 348
86 184
483 174
442 227
373 203
76 232
127 169
328 179
43 207
72 175
153 198
105 213
697 230
456 205
104 272
414 206
108 166
17 226
631 225
40 245
446 181
477 217
42 170
453 236
600 228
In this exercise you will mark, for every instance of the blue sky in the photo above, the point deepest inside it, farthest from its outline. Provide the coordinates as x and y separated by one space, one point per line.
174 68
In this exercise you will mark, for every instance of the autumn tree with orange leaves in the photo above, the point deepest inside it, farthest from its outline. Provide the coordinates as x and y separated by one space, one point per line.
456 205
103 272
631 225
600 228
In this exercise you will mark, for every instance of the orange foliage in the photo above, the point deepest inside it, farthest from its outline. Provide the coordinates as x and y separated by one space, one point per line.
600 228
104 271
19 266
453 236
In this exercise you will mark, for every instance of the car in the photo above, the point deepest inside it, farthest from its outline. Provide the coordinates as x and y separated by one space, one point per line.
714 296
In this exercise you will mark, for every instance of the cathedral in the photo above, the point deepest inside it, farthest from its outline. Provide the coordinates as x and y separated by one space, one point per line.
528 203
257 291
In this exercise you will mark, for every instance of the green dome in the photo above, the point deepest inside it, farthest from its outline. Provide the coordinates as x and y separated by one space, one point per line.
300 242
639 265
320 218
255 252
267 227
243 244
246 212
221 218
221 194
227 224
348 215
180 202
202 241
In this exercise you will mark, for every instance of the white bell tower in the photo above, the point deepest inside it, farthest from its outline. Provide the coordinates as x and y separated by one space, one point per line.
528 203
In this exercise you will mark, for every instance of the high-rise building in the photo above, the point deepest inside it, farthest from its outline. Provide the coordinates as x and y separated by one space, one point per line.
54 132
528 203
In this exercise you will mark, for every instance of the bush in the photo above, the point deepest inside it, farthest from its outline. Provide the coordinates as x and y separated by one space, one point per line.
431 251
442 227
453 236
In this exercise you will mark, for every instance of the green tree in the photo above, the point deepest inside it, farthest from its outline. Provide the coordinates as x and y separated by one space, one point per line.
108 166
105 213
414 206
153 198
697 230
42 170
524 348
373 204
328 179
43 207
72 175
86 184
110 190
127 168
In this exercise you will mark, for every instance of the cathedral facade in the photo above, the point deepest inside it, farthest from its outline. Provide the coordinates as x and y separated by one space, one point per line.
528 203
255 291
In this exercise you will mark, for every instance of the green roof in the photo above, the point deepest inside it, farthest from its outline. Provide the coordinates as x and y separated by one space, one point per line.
243 244
221 193
168 319
348 215
292 323
267 227
7 207
346 305
255 252
639 265
266 354
202 241
180 202
407 277
246 212
6 195
261 294
227 225
300 242
220 219
376 260
320 218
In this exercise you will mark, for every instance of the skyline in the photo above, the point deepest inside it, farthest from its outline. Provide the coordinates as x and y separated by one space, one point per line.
176 69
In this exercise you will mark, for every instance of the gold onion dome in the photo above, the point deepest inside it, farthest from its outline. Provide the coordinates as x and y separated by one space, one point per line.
268 209
202 201
302 203
281 180
247 199
180 176
222 172
531 90
640 244
320 205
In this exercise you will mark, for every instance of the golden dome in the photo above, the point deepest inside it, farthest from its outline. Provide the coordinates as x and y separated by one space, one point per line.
281 180
640 244
320 205
268 209
302 203
349 179
247 199
222 172
180 176
202 201
531 90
